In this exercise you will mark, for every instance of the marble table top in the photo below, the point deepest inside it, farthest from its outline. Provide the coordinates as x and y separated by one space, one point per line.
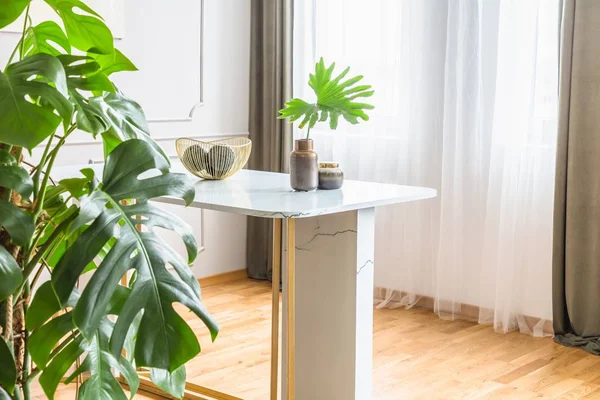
268 194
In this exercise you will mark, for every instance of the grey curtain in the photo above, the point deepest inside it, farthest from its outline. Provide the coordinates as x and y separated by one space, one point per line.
576 257
270 87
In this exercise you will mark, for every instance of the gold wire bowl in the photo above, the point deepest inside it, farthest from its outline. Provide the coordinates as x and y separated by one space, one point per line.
214 160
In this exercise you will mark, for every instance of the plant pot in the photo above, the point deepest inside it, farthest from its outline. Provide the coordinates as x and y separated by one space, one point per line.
331 176
304 169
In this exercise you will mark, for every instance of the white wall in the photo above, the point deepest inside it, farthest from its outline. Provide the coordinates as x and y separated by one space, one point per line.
163 40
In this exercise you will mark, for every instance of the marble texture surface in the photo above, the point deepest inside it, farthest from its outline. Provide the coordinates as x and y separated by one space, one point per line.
268 194
334 306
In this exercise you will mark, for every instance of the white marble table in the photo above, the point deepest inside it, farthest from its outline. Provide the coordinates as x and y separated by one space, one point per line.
327 275
328 257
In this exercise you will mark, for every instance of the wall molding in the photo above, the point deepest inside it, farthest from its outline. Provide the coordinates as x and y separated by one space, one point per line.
194 107
98 142
200 101
40 12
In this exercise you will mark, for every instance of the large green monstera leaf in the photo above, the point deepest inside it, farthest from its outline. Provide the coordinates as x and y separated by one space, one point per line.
45 38
163 340
85 28
55 344
33 99
126 120
10 10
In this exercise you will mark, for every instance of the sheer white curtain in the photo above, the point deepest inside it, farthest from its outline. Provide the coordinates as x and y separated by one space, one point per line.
466 99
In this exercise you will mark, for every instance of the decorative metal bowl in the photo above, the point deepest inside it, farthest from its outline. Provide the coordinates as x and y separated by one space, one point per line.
218 159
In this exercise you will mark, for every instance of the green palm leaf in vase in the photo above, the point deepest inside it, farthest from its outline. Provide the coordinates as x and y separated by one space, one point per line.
335 98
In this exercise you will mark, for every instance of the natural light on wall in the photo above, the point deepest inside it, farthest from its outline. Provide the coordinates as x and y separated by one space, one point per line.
466 102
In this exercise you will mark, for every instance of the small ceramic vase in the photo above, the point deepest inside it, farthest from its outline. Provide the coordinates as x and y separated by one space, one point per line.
331 176
304 172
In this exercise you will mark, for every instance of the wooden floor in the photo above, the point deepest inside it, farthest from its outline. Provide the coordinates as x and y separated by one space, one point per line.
417 355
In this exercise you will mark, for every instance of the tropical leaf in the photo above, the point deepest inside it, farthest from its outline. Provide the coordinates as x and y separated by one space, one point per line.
10 275
10 10
14 178
85 29
26 122
17 179
115 62
126 121
54 205
46 37
89 119
6 158
56 344
83 73
61 212
335 98
172 383
44 305
8 371
60 364
297 108
16 222
99 361
45 339
163 340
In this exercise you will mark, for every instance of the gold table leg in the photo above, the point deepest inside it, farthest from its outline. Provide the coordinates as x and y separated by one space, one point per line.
290 309
275 306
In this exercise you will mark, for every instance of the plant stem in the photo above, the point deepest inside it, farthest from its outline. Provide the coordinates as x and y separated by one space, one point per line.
25 384
17 395
42 192
41 195
308 133
62 345
47 224
12 55
40 167
34 372
18 153
37 257
24 30
39 272
21 44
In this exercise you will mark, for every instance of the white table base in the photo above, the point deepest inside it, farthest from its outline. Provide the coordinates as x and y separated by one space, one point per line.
328 307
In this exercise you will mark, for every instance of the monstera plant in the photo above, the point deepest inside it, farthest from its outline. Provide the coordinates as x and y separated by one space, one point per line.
99 222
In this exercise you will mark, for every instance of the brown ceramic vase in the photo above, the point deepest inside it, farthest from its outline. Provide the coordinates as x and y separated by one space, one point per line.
304 169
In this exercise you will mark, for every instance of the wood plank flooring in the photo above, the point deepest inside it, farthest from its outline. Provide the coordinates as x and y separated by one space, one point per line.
417 355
